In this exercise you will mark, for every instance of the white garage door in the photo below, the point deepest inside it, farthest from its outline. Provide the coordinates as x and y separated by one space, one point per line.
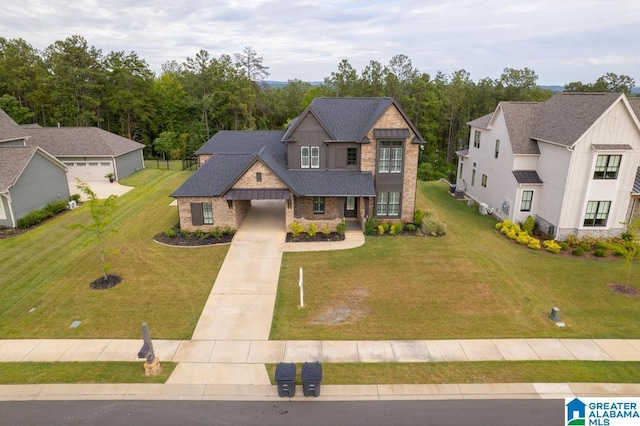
88 171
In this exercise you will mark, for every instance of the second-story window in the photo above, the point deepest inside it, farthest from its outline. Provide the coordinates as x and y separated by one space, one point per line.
497 151
390 157
476 139
607 167
352 156
309 157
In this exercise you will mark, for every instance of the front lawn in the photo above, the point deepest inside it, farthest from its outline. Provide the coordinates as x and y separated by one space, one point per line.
472 283
45 273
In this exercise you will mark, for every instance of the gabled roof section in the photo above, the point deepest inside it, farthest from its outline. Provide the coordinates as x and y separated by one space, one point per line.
80 142
348 119
13 161
244 142
9 129
635 106
520 118
482 122
331 183
215 176
565 117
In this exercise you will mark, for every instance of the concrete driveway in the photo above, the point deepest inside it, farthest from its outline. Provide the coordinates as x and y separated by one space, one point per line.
102 189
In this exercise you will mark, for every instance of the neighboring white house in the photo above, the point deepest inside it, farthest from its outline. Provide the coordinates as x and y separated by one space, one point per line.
571 162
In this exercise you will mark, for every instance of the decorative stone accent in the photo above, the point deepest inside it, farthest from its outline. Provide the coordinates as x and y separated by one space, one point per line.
153 369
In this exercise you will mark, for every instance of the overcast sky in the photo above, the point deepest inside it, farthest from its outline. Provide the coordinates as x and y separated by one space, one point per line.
561 40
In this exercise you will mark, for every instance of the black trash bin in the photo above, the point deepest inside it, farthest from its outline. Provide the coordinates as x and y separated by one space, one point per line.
311 378
286 379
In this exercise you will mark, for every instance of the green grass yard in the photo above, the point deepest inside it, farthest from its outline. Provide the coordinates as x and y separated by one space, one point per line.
472 283
50 267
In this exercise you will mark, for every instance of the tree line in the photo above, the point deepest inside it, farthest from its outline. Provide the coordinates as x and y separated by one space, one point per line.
71 83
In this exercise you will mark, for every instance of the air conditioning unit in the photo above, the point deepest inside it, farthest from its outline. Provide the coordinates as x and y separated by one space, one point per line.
484 209
72 204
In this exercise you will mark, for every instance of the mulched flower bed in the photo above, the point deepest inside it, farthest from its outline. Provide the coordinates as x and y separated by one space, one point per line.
191 240
624 289
305 237
12 232
104 283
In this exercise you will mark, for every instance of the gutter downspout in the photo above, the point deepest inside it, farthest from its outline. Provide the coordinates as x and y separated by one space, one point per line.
7 195
115 168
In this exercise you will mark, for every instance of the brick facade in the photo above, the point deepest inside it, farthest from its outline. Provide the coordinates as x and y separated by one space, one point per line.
331 215
268 179
223 216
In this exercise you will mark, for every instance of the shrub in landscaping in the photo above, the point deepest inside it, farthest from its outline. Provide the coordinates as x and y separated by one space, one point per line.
410 227
170 233
325 229
578 251
584 246
498 226
380 230
386 227
216 232
313 229
552 246
523 238
75 197
600 252
32 219
296 229
396 229
200 234
55 207
600 245
228 231
433 228
528 225
534 244
573 241
370 226
627 236
564 245
418 217
341 228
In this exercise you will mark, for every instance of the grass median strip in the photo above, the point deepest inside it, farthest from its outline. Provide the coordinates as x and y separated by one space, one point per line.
475 372
18 373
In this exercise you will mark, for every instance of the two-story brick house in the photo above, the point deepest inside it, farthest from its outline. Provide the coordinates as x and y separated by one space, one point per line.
342 158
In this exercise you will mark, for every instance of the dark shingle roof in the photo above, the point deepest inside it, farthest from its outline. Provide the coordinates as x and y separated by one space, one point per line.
337 183
565 117
9 129
80 141
520 117
348 119
481 122
635 106
215 176
247 142
527 176
13 160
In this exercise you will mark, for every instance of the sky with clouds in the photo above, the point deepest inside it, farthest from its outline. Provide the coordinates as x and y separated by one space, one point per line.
561 40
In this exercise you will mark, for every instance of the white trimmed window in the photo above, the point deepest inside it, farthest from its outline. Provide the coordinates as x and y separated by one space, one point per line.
310 157
484 181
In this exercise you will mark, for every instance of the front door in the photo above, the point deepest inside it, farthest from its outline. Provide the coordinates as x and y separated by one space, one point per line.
351 207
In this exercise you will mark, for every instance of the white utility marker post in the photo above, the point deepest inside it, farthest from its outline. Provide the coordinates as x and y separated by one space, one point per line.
301 290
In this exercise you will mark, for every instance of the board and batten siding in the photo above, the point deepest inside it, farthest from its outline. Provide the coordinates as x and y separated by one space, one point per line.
129 163
40 183
308 133
615 127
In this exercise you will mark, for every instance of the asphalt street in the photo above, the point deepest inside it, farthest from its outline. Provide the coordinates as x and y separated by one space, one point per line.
186 413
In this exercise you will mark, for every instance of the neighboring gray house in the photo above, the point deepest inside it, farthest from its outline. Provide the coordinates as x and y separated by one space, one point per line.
90 153
30 178
342 158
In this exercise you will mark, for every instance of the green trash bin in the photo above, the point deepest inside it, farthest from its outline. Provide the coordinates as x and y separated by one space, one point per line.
286 379
311 378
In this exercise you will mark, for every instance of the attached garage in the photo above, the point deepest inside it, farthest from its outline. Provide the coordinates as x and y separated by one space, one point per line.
89 153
